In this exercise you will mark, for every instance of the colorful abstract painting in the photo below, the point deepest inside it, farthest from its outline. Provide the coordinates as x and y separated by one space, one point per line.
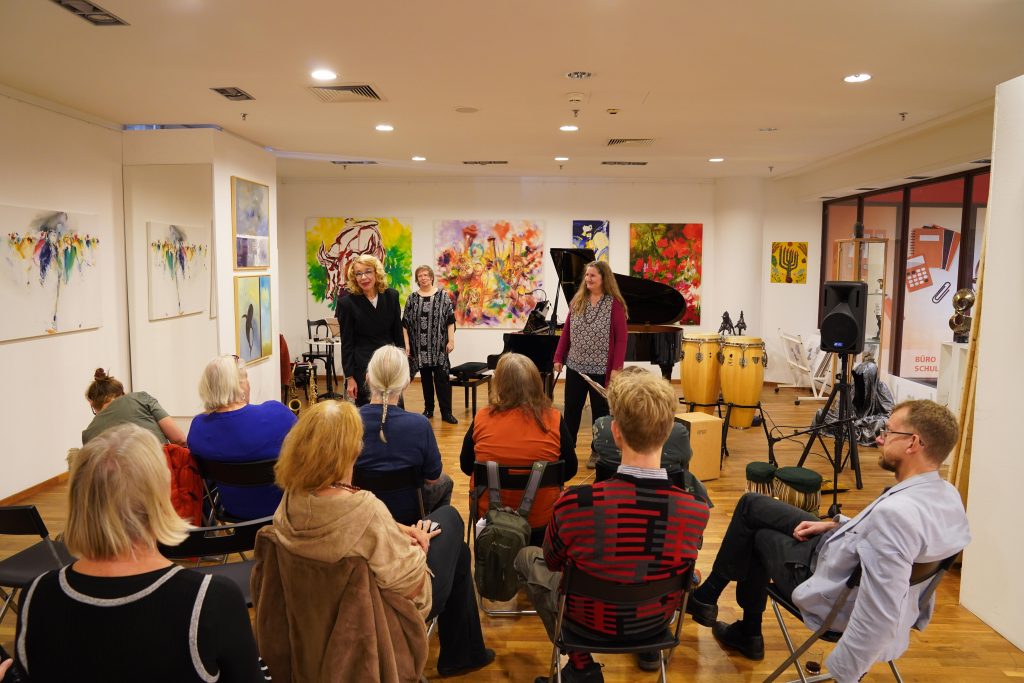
253 336
332 242
49 272
491 268
789 262
250 223
670 253
179 270
591 235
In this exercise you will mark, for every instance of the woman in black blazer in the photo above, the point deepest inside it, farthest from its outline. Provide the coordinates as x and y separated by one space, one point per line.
370 317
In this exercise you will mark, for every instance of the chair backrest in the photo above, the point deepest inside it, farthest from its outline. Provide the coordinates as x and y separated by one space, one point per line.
318 329
22 520
257 473
515 477
382 481
217 540
577 582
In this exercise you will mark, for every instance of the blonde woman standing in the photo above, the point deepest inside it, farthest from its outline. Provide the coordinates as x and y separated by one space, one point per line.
593 343
370 317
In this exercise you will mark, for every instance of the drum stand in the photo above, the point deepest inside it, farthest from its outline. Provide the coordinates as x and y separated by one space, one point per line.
846 432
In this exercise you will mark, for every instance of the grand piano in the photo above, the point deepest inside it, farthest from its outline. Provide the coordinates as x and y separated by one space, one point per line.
653 309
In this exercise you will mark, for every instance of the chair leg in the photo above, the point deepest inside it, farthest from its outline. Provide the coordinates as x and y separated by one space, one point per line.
8 602
793 655
895 672
664 661
555 671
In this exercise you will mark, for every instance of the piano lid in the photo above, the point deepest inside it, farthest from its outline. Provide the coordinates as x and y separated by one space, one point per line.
649 302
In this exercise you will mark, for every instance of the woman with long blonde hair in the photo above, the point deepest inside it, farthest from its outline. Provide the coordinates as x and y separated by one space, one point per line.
370 317
593 343
518 427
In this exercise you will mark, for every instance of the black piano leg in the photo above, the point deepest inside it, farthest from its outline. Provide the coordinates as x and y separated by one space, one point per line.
666 371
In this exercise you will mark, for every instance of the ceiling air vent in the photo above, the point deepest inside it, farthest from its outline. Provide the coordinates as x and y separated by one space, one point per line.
484 163
982 161
917 177
632 142
233 94
94 14
354 162
623 163
345 93
866 189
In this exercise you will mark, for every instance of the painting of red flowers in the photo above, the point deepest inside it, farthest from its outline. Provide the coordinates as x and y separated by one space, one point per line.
670 253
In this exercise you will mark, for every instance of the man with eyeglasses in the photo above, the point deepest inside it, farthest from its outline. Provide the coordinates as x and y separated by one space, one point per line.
919 519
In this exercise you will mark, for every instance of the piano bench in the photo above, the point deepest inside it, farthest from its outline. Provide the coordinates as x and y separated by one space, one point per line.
470 384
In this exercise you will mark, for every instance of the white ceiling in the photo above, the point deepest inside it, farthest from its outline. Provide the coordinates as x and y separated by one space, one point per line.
699 77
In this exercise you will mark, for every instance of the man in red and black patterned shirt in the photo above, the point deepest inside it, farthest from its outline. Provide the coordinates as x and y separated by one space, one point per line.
633 527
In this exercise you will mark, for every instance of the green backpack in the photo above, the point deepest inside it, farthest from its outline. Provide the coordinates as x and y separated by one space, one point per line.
505 533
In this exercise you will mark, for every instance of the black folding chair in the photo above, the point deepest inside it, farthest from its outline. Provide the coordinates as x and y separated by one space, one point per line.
576 582
20 569
389 481
510 478
222 541
241 474
922 572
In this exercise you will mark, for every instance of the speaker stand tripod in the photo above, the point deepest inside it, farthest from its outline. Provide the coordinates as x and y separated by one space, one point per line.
845 431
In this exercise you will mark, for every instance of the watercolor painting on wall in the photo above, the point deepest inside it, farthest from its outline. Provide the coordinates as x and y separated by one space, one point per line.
492 269
179 270
253 334
49 272
250 223
670 253
591 235
332 242
789 262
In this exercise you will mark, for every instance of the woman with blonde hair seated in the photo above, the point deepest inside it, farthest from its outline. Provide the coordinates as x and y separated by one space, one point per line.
234 430
165 623
519 427
395 439
323 518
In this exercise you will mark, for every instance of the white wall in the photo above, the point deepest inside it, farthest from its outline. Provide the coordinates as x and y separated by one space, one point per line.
167 355
555 203
991 586
53 161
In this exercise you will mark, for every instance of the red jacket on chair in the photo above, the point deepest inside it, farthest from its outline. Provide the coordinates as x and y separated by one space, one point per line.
186 484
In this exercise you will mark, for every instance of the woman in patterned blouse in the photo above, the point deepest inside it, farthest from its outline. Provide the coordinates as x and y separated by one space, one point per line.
593 342
429 326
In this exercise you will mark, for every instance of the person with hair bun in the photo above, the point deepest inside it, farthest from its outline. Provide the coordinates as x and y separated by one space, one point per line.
111 407
370 317
394 439
123 612
234 430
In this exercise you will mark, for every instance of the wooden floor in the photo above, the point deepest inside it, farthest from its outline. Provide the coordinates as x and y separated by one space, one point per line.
956 647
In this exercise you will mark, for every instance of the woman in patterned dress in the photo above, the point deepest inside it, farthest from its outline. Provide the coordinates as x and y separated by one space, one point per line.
593 342
429 326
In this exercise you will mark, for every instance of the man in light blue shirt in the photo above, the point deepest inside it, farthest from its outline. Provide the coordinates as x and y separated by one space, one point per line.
919 519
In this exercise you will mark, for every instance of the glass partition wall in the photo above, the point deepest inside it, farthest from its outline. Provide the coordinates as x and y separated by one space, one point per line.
933 231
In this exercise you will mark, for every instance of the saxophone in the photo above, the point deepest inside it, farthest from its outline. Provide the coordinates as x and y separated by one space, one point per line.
293 400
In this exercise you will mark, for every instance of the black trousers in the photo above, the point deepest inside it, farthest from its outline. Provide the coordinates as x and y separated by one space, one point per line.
576 392
454 602
759 546
436 379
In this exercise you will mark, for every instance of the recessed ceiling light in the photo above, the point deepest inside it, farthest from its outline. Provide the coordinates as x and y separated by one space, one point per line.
857 78
568 128
324 75
419 158
561 158
466 110
716 160
579 75
385 127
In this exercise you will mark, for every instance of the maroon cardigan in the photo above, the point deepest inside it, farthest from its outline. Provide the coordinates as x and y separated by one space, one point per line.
616 341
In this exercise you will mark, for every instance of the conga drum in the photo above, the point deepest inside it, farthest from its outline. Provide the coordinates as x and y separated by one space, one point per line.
700 370
742 362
